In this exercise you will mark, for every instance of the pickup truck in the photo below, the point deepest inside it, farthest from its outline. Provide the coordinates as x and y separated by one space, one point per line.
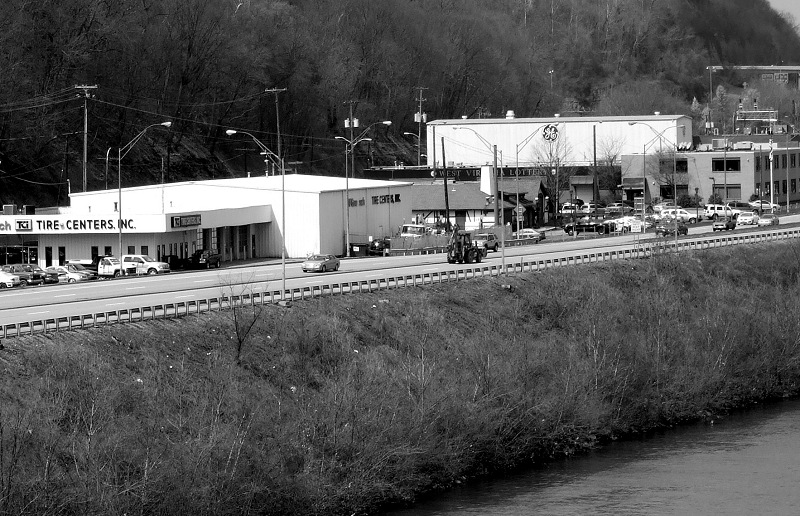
28 274
104 266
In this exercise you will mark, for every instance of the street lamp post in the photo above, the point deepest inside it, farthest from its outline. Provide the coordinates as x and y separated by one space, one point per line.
521 145
277 160
121 153
351 144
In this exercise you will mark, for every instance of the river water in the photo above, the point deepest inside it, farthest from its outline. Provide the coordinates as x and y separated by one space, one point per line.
743 464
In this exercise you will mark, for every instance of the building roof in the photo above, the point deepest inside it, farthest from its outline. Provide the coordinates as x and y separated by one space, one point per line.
555 119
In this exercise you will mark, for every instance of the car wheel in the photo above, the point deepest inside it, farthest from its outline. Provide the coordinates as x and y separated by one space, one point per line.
692 221
570 232
336 268
601 230
714 217
495 248
71 280
208 265
218 264
152 272
23 283
323 269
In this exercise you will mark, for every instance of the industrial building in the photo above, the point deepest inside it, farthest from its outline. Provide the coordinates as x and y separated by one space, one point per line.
243 218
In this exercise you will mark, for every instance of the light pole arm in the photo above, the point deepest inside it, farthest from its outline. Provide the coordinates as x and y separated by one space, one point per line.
123 151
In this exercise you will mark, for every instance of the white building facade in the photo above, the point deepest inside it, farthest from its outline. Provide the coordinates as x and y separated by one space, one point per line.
243 218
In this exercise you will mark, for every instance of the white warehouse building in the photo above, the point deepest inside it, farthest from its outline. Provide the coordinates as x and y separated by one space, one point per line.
242 218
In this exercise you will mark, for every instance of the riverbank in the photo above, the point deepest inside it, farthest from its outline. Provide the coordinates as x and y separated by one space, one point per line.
341 405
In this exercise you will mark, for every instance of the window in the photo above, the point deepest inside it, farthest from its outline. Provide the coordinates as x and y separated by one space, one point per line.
725 165
48 256
62 255
766 162
783 183
794 160
777 187
758 164
107 251
766 188
794 185
783 160
131 249
95 251
682 166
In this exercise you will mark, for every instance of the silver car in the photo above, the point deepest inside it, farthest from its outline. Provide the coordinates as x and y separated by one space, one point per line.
320 263
8 280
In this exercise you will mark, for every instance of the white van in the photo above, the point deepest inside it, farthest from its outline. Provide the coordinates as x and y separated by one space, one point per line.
143 264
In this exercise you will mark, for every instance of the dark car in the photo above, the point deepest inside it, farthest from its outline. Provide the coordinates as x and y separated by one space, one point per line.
724 224
205 259
589 225
27 274
379 246
668 228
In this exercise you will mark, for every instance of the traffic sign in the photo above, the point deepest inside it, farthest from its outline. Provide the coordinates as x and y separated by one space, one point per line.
520 209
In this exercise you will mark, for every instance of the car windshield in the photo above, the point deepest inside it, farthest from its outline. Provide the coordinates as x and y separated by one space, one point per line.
317 258
147 259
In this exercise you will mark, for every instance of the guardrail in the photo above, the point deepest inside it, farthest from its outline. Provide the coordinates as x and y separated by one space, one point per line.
226 302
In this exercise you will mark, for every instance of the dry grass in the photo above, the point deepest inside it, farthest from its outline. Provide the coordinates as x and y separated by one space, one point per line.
338 405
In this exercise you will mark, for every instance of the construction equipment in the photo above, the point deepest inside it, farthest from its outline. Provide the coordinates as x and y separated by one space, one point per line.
462 248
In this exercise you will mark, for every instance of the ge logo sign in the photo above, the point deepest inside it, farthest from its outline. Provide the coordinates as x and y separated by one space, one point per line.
550 133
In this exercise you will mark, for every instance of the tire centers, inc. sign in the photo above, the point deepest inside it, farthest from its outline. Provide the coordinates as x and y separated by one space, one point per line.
185 221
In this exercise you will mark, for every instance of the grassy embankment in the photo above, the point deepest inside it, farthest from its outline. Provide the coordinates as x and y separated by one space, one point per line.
334 406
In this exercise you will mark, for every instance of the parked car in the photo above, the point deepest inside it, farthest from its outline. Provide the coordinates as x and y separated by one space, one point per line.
8 280
81 269
569 208
724 224
680 214
768 219
176 263
716 211
747 218
590 207
622 208
668 228
65 275
50 277
320 263
143 264
666 205
487 240
765 206
27 274
379 246
529 234
205 259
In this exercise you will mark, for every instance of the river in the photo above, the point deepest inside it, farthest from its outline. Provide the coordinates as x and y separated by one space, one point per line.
747 463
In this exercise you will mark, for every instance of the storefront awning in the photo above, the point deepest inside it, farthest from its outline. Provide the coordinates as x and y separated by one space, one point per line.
632 183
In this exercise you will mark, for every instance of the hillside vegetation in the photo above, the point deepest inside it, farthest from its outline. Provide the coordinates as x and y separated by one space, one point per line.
205 65
342 405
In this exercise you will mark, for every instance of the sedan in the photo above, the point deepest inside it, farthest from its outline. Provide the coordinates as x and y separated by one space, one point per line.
723 224
769 219
668 228
65 275
528 234
8 280
747 218
320 263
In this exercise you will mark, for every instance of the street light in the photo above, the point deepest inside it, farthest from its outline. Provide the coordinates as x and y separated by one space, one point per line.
498 213
277 160
121 153
521 145
351 144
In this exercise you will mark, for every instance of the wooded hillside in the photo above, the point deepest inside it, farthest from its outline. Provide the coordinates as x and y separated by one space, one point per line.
205 65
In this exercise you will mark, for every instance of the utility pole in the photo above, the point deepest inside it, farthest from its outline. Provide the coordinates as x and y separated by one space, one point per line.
85 89
446 195
351 124
420 117
276 91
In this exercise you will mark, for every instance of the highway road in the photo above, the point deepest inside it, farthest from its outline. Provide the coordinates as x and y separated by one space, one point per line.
63 300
